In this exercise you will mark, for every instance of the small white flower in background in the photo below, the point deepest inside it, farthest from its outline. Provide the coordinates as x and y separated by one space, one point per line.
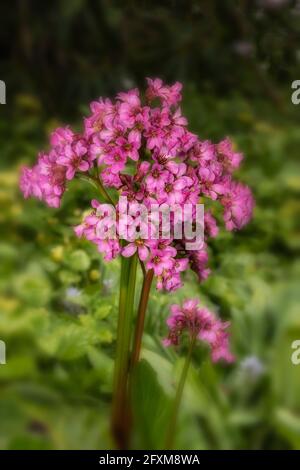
72 301
73 292
252 367
108 283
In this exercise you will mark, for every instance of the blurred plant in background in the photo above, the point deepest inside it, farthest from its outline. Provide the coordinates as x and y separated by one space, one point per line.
58 308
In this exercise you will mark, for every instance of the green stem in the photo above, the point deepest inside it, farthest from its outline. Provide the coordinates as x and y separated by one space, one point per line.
139 328
178 396
121 416
121 412
96 182
103 191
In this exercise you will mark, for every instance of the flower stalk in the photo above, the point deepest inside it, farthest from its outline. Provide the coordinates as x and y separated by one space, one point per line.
121 415
140 322
178 397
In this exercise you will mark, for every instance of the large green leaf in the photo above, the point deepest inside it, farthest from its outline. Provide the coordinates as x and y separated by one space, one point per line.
151 408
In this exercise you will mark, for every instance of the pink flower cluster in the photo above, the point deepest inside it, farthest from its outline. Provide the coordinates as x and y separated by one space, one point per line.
143 150
68 155
200 324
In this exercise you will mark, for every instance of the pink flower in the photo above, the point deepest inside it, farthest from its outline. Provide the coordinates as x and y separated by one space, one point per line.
110 248
111 132
230 159
157 178
187 141
116 159
220 343
139 246
131 97
179 120
110 179
180 265
74 159
168 281
169 95
157 127
172 191
199 323
238 206
160 261
210 225
130 110
102 115
198 261
202 152
211 184
163 247
98 148
60 137
143 150
45 181
131 145
141 171
30 182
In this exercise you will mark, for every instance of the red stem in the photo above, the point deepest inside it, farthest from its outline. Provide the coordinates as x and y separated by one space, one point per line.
141 317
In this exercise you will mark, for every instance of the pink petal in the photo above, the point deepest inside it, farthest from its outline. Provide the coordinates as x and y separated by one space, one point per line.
129 250
143 252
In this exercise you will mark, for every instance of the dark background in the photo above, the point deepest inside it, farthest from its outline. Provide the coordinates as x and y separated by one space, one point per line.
68 52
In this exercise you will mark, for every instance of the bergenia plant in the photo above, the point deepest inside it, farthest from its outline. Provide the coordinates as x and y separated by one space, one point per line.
199 324
153 176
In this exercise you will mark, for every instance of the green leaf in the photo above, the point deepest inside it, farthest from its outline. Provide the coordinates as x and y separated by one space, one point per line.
79 261
288 424
151 407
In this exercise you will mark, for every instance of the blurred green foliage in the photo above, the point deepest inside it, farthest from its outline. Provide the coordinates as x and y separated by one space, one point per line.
58 300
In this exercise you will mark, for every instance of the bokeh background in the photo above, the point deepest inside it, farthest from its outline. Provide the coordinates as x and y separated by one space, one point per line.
58 300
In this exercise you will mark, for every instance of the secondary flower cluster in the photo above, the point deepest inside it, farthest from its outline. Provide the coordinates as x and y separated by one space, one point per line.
142 149
200 324
68 155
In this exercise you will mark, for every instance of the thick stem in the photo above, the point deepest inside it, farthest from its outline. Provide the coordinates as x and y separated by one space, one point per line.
178 396
121 416
121 410
148 277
